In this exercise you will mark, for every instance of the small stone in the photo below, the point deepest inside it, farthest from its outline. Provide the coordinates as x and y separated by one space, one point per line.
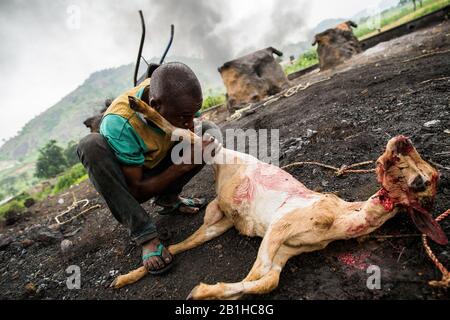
30 288
26 243
112 273
46 236
325 183
41 287
432 123
54 227
61 201
66 245
29 202
219 247
5 241
310 133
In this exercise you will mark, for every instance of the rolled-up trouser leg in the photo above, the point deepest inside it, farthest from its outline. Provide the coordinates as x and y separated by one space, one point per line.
107 177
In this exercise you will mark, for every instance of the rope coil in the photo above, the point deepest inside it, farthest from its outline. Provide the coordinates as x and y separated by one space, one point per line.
445 282
75 204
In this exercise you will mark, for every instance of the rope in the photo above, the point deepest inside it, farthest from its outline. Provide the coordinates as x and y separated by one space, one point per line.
339 171
284 94
445 282
75 204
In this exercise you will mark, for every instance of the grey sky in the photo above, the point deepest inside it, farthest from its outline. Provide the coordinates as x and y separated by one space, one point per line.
49 47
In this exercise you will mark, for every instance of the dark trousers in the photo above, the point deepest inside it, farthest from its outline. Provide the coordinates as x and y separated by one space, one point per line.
108 179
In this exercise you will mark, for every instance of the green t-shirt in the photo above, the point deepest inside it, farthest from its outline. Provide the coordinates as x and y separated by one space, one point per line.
126 144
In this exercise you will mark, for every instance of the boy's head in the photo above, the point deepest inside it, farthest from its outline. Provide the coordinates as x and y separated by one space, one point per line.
176 94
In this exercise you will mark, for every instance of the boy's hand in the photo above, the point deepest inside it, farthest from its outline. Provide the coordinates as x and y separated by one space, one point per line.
210 146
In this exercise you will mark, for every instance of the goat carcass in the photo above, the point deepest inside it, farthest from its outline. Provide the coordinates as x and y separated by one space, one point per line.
262 200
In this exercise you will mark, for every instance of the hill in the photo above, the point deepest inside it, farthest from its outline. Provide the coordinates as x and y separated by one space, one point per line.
64 121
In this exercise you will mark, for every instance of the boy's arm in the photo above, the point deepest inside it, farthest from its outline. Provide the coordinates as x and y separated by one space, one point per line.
144 189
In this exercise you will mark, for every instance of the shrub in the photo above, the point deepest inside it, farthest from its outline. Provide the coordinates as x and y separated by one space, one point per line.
69 178
212 100
12 206
51 161
306 60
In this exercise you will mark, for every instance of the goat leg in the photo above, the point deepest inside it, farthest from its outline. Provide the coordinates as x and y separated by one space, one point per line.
233 291
214 225
129 278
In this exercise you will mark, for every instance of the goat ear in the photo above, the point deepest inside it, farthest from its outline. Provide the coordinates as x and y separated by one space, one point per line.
427 225
315 42
353 24
137 105
133 104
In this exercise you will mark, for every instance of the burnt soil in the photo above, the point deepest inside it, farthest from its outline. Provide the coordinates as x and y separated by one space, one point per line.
354 113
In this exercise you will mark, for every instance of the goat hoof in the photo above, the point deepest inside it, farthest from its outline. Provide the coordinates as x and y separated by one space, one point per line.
195 294
192 294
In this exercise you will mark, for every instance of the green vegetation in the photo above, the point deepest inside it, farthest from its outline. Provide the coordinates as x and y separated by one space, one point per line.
213 99
393 17
70 154
17 204
16 179
74 175
306 60
62 122
13 205
51 161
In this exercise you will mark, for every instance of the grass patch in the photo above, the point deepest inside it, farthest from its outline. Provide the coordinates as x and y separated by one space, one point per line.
213 99
72 176
394 17
43 194
306 60
13 205
16 204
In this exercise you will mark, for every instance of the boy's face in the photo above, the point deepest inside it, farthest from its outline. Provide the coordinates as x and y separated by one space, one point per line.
180 112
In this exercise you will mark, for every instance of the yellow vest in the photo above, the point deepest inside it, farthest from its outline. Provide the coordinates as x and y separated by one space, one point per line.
157 141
